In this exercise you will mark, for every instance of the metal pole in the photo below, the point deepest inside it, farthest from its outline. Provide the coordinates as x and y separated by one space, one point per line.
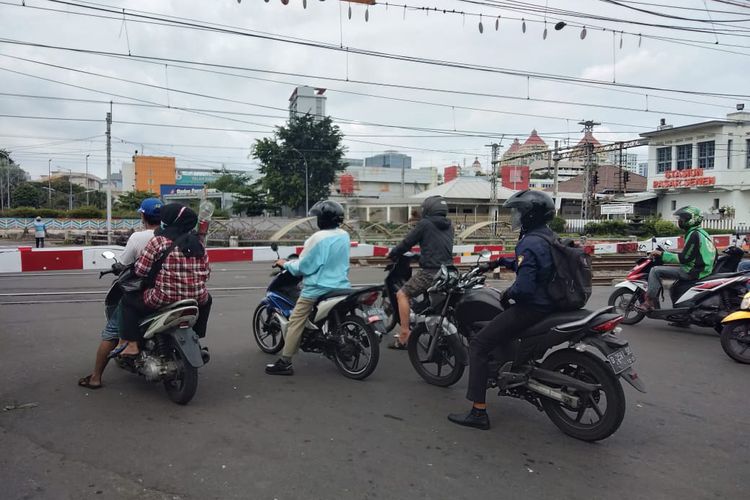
307 182
109 175
70 189
555 179
87 180
49 181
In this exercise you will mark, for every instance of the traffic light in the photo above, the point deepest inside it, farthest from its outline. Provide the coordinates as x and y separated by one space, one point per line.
596 178
626 176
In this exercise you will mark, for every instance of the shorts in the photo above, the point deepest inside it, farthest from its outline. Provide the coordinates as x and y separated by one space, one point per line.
419 282
112 328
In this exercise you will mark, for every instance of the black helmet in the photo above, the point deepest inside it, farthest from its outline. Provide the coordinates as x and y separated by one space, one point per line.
530 209
329 213
434 205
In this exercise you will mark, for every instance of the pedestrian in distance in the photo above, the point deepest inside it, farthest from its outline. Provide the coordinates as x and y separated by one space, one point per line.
150 211
40 232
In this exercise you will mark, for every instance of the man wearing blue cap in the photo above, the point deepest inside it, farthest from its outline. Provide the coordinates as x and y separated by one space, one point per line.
150 217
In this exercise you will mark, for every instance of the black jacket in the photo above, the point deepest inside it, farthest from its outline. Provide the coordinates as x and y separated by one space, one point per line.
533 267
434 235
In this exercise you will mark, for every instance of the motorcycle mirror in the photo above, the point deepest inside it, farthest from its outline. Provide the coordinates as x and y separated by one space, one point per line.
274 247
108 254
668 243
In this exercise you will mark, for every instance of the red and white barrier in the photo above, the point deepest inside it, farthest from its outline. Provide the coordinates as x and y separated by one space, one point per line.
27 259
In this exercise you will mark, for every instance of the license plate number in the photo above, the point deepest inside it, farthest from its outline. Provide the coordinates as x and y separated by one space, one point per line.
621 359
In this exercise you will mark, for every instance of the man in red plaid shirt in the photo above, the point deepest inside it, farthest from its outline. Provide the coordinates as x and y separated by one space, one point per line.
183 275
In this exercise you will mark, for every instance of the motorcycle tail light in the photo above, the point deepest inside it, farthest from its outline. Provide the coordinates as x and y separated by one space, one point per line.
369 299
607 326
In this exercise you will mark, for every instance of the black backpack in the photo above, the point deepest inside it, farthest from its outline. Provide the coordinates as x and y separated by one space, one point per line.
570 286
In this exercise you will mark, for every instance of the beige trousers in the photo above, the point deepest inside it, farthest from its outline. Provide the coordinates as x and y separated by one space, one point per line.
296 326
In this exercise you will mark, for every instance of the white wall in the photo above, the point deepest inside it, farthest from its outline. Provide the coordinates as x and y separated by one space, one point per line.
128 176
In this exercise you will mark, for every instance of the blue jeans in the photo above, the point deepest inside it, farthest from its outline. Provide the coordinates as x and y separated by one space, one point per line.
744 266
112 328
660 272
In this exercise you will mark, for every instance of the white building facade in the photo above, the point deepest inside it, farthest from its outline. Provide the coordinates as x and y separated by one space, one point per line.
307 101
706 165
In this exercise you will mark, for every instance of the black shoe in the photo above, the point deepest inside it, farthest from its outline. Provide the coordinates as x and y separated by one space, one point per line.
280 367
473 418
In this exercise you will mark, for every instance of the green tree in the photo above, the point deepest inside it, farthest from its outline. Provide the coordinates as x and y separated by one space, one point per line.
229 183
252 200
283 156
132 199
11 172
27 195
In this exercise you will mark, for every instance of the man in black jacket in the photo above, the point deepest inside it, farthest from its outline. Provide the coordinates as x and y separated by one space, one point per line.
434 235
531 211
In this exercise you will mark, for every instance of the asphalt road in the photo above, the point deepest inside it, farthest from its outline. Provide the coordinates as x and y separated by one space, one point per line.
318 435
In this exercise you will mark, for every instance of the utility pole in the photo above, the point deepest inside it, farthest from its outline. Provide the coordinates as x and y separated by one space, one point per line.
87 180
620 183
109 175
555 160
589 168
49 181
494 163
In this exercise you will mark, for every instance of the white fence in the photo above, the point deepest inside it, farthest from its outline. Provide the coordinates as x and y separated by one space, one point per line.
67 224
728 225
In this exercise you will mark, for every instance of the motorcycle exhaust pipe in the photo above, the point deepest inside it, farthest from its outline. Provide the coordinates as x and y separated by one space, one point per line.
558 378
557 395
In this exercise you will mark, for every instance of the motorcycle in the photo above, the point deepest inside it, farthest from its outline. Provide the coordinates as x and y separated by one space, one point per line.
170 351
340 326
702 302
577 385
735 332
398 272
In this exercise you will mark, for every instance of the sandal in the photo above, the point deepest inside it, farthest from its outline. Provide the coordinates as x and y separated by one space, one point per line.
396 345
117 350
86 382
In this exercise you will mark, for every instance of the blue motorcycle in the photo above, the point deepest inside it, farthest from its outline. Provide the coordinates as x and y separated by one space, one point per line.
342 326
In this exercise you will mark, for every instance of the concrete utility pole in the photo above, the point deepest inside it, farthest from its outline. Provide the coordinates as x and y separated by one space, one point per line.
109 175
49 182
87 180
589 169
555 160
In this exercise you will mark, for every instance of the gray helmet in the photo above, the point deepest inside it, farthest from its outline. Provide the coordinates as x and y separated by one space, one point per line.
434 205
530 209
329 213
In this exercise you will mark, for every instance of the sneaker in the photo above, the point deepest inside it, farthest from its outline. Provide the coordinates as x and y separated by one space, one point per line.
473 418
280 367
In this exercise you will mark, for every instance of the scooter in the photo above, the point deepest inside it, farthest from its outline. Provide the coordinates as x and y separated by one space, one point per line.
170 351
577 384
702 302
735 332
340 326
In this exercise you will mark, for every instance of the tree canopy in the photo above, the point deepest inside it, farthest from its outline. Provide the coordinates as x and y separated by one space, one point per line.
132 199
251 198
283 156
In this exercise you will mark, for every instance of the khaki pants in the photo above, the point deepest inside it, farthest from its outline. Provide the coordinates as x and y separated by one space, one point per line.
296 326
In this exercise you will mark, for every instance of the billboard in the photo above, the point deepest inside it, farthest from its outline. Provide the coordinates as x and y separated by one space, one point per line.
166 189
195 177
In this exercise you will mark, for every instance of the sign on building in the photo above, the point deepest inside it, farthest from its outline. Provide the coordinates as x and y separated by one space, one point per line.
617 209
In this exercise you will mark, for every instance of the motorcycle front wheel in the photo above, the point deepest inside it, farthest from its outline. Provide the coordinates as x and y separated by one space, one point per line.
735 340
624 301
601 411
443 369
182 387
267 330
358 353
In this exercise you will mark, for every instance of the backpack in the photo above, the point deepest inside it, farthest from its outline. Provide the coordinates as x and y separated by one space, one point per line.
570 285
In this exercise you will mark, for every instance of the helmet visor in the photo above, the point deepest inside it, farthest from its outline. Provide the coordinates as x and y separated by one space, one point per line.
515 219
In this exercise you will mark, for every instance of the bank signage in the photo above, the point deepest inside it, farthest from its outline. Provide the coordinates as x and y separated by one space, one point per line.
692 177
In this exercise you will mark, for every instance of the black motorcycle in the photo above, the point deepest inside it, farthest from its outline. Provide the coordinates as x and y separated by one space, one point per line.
170 351
577 384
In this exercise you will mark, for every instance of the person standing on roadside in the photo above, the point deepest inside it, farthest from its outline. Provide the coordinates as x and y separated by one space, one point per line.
40 232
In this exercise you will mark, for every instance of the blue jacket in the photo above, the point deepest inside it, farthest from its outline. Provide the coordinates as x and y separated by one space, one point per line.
533 267
323 263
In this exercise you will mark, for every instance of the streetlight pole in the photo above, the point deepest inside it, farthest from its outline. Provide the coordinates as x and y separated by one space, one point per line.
70 187
49 181
87 180
307 179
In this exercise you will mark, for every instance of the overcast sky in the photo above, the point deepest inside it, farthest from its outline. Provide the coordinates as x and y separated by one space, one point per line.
656 63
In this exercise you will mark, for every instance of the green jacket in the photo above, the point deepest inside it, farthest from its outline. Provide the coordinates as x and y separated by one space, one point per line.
697 257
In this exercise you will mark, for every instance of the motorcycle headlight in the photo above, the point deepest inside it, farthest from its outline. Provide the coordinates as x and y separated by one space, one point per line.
745 304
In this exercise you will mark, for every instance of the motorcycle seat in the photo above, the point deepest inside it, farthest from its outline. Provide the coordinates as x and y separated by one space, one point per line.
567 321
337 293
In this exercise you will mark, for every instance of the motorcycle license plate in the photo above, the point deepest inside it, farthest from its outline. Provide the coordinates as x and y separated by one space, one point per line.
622 359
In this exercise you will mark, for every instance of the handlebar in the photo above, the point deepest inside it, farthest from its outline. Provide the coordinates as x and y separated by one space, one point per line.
102 273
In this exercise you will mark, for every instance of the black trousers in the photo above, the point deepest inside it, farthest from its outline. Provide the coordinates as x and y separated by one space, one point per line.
40 242
133 311
507 326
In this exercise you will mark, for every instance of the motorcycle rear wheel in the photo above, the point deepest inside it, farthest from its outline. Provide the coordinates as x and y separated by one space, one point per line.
267 331
181 389
624 301
735 340
359 339
418 347
591 370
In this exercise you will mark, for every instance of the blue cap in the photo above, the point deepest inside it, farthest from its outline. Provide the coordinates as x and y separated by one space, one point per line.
150 207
